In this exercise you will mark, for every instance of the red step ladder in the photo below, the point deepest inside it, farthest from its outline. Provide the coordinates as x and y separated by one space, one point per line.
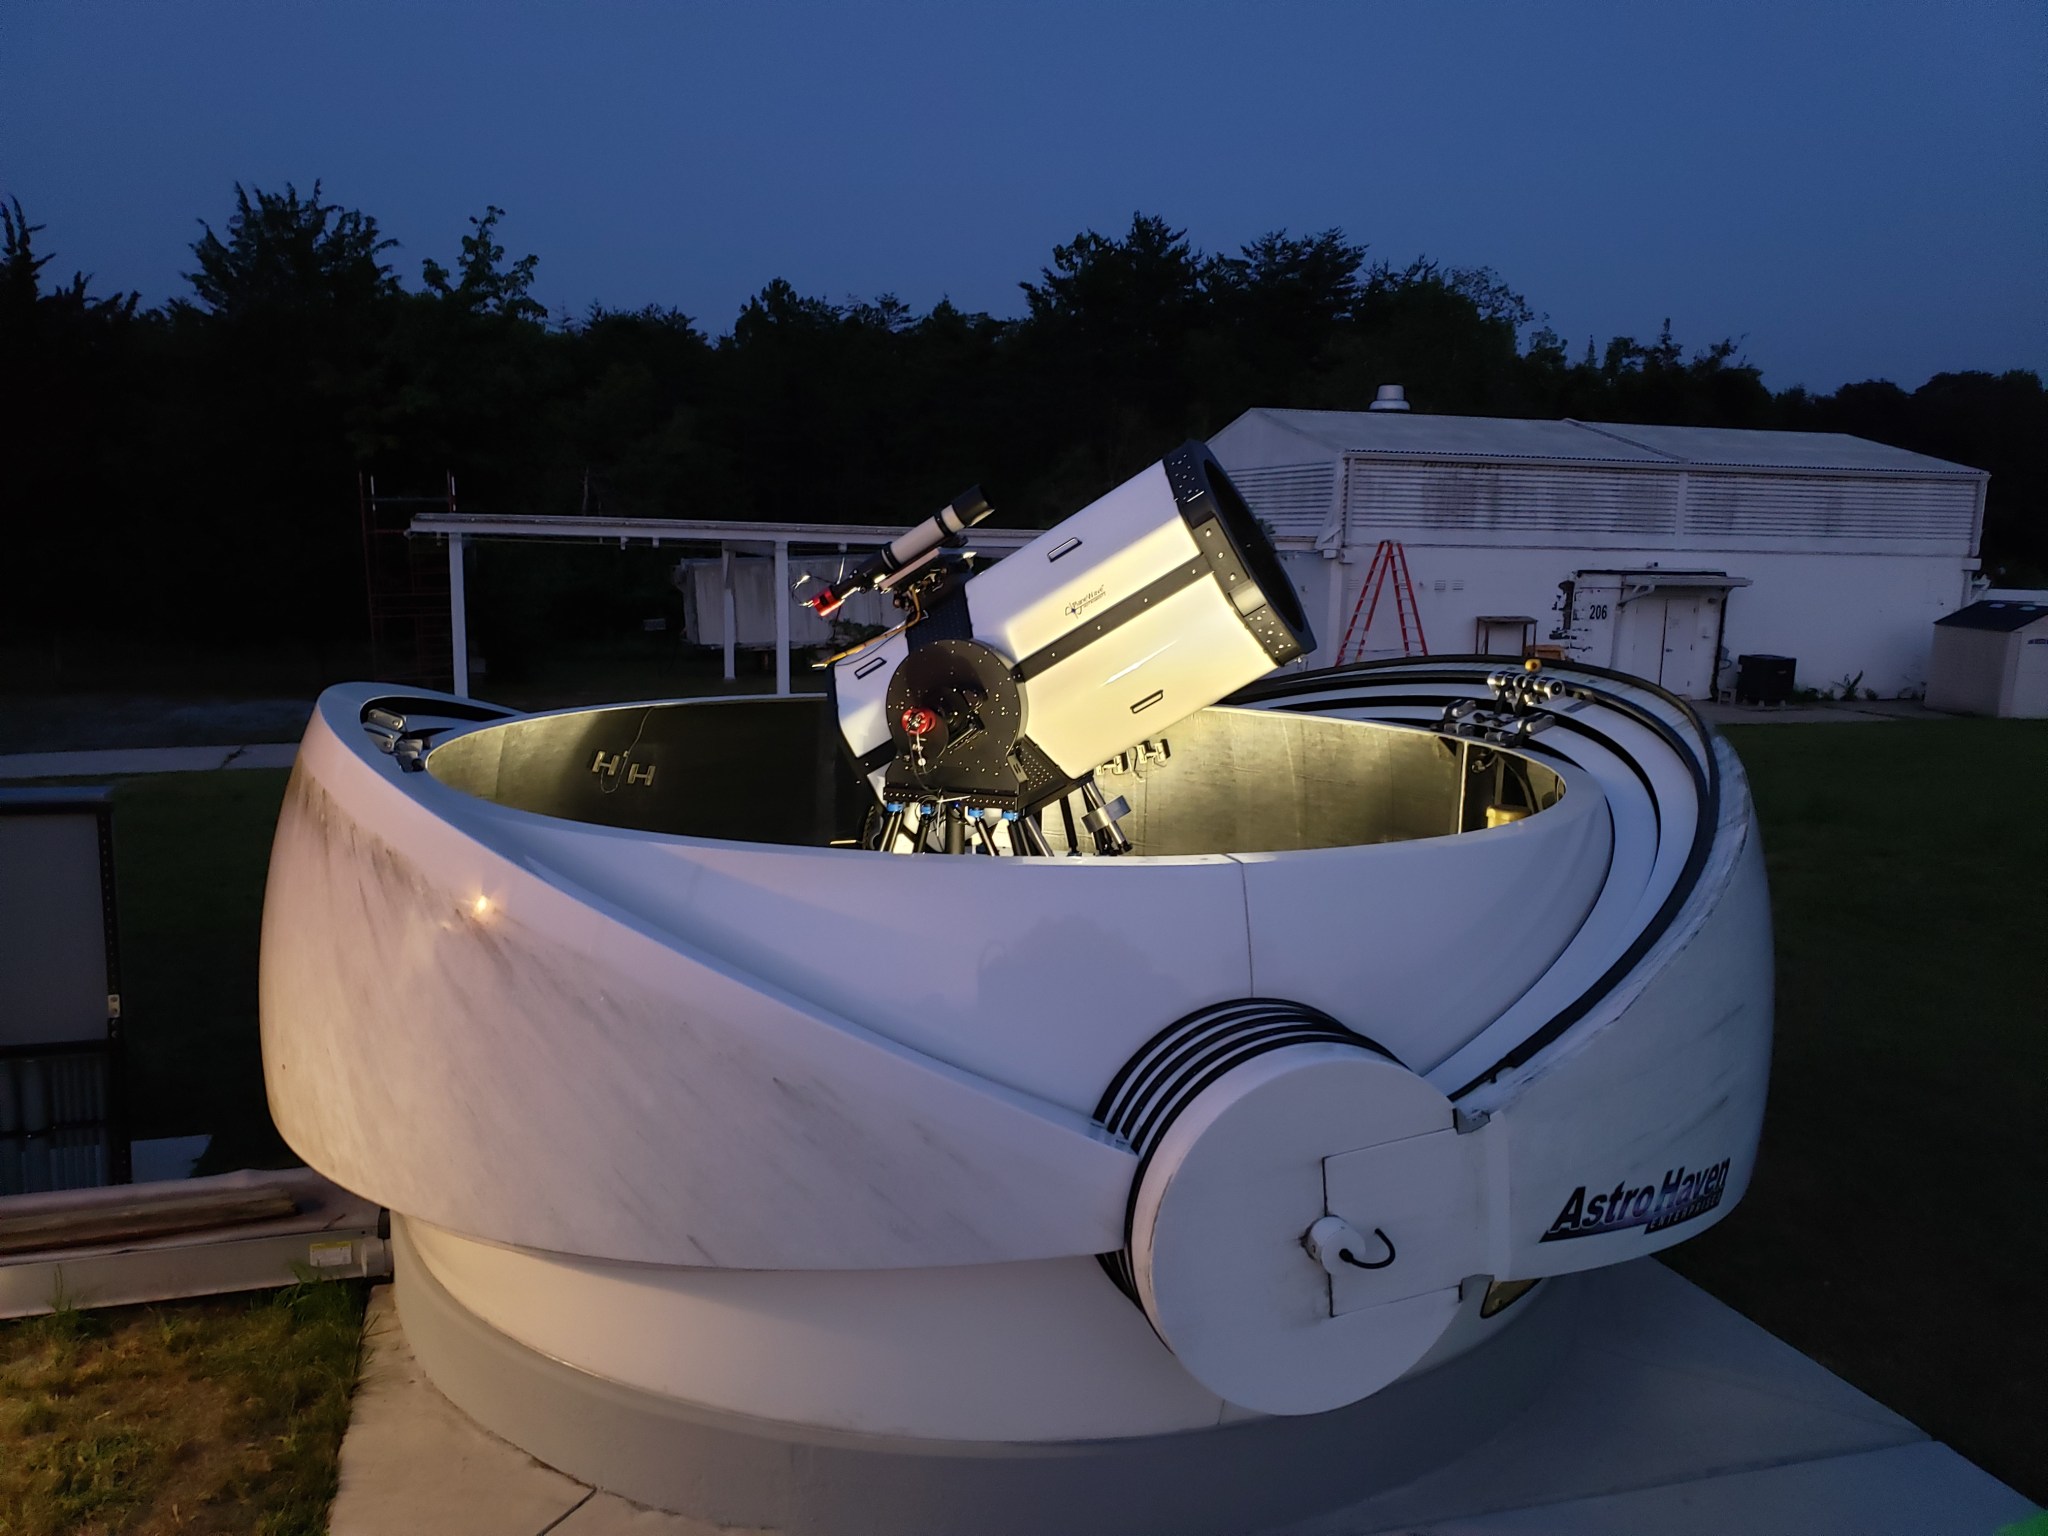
1389 563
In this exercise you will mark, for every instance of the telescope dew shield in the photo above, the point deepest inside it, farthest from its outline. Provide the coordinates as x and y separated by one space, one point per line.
1140 609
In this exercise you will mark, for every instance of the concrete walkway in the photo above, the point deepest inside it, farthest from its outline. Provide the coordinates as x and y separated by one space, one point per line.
1674 1414
118 762
1844 712
413 1461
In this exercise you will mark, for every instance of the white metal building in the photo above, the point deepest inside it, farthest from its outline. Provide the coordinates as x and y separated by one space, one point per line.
1662 551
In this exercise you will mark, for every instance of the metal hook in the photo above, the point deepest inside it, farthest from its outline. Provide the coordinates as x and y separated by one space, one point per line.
1349 1258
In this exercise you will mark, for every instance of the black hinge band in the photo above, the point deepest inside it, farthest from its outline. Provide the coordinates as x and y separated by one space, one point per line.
1112 618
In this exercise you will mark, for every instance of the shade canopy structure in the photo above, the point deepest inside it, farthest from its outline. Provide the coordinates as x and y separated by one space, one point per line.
730 539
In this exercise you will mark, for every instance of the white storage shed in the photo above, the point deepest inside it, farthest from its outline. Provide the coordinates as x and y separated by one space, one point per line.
1991 658
1663 551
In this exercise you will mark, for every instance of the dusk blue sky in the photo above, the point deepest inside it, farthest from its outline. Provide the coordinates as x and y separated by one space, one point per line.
1854 190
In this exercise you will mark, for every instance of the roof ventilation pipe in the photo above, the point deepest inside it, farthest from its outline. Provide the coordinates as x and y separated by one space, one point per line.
1391 397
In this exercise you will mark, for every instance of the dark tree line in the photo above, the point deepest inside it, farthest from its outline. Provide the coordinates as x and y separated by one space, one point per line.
191 469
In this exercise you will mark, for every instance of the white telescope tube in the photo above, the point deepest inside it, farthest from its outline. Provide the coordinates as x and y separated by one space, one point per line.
1148 604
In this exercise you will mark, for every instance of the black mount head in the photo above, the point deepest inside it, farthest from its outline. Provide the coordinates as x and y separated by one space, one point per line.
955 715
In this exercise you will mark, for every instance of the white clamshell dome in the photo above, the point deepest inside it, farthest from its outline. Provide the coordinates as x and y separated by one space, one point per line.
708 1134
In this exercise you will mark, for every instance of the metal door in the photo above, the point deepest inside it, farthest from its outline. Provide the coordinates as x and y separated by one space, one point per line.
1692 632
1639 637
1671 638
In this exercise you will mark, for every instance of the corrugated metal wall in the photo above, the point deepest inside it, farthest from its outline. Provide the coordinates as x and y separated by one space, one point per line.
1509 499
1537 504
1818 507
1294 500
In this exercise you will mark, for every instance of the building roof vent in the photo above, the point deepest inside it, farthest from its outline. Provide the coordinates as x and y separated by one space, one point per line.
1391 397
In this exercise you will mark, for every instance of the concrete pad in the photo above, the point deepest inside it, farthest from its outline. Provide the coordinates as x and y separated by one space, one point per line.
606 1514
1670 1389
1674 1414
120 761
1824 712
1908 1490
412 1462
1677 1384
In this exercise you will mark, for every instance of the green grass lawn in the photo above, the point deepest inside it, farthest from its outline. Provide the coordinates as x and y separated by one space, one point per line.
201 1418
1895 1230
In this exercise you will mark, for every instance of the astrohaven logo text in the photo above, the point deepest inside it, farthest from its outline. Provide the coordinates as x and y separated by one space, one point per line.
1682 1195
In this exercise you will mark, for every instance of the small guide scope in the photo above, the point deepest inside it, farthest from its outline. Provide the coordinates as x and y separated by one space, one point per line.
903 554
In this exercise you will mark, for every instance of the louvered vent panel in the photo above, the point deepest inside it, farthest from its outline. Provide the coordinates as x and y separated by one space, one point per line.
1814 507
1291 499
1488 498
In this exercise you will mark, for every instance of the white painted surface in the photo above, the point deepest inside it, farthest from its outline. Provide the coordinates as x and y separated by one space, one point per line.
783 603
458 614
463 1038
1676 1060
998 993
1359 932
1427 1195
1675 1056
729 633
1035 1351
1991 672
860 685
1853 548
482 1017
1836 614
1237 1182
1126 539
1653 813
1179 654
1968 673
1669 638
1183 654
1673 1415
2030 676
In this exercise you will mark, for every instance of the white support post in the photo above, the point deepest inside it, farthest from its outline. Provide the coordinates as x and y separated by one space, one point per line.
458 616
780 597
728 606
1328 654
